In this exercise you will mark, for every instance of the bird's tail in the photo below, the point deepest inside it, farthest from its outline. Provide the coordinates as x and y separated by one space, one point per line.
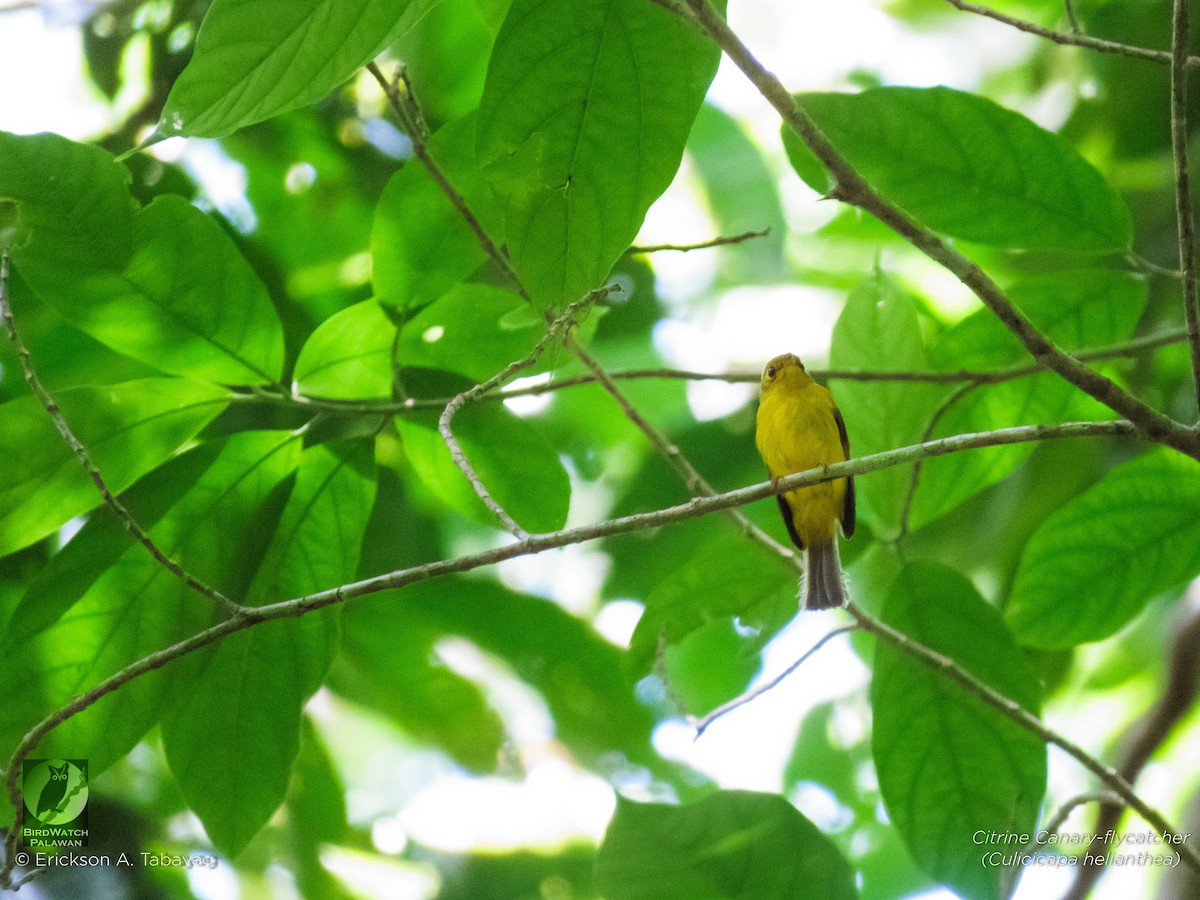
824 585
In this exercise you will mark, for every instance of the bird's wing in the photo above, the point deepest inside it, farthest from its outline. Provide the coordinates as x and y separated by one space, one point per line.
848 505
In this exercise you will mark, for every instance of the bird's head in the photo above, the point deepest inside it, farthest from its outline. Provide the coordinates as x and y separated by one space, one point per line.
782 370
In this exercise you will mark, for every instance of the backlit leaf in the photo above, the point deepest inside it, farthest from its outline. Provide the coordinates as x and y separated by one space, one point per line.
950 766
1095 563
577 148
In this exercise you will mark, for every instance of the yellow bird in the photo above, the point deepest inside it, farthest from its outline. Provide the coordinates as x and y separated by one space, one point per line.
799 428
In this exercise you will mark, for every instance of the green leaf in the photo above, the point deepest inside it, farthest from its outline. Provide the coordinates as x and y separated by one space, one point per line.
163 284
577 145
723 579
516 464
475 330
949 765
742 195
967 167
349 356
882 415
1095 563
393 669
136 607
316 815
577 672
232 739
1077 310
128 429
74 212
730 844
188 304
421 245
255 59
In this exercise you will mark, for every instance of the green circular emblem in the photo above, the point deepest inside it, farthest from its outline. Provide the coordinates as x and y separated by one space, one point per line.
56 791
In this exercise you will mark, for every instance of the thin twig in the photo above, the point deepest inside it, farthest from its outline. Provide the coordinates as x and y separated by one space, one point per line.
1072 39
915 482
704 721
408 113
957 376
1183 197
703 245
566 320
1059 819
697 485
1072 19
852 188
85 458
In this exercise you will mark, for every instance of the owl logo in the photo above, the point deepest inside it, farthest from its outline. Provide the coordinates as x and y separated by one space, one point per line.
55 790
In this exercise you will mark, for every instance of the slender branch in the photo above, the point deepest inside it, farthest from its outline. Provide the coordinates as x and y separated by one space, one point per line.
1178 697
704 721
1073 39
915 481
1183 197
1072 19
1013 710
408 113
566 320
1059 819
851 188
85 458
695 483
957 376
703 245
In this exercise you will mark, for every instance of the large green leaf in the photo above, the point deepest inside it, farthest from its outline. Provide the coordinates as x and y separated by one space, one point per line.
74 212
949 766
743 195
475 330
879 329
730 844
255 59
722 580
163 284
1078 310
394 669
128 429
577 672
132 606
967 167
191 306
232 738
421 245
584 117
515 463
349 356
1095 563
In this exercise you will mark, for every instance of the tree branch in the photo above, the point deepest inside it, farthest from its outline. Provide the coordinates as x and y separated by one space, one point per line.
566 320
957 376
703 245
851 188
85 458
1073 39
408 113
1183 197
703 722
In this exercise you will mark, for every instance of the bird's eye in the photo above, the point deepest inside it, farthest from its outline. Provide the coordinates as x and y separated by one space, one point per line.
770 371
